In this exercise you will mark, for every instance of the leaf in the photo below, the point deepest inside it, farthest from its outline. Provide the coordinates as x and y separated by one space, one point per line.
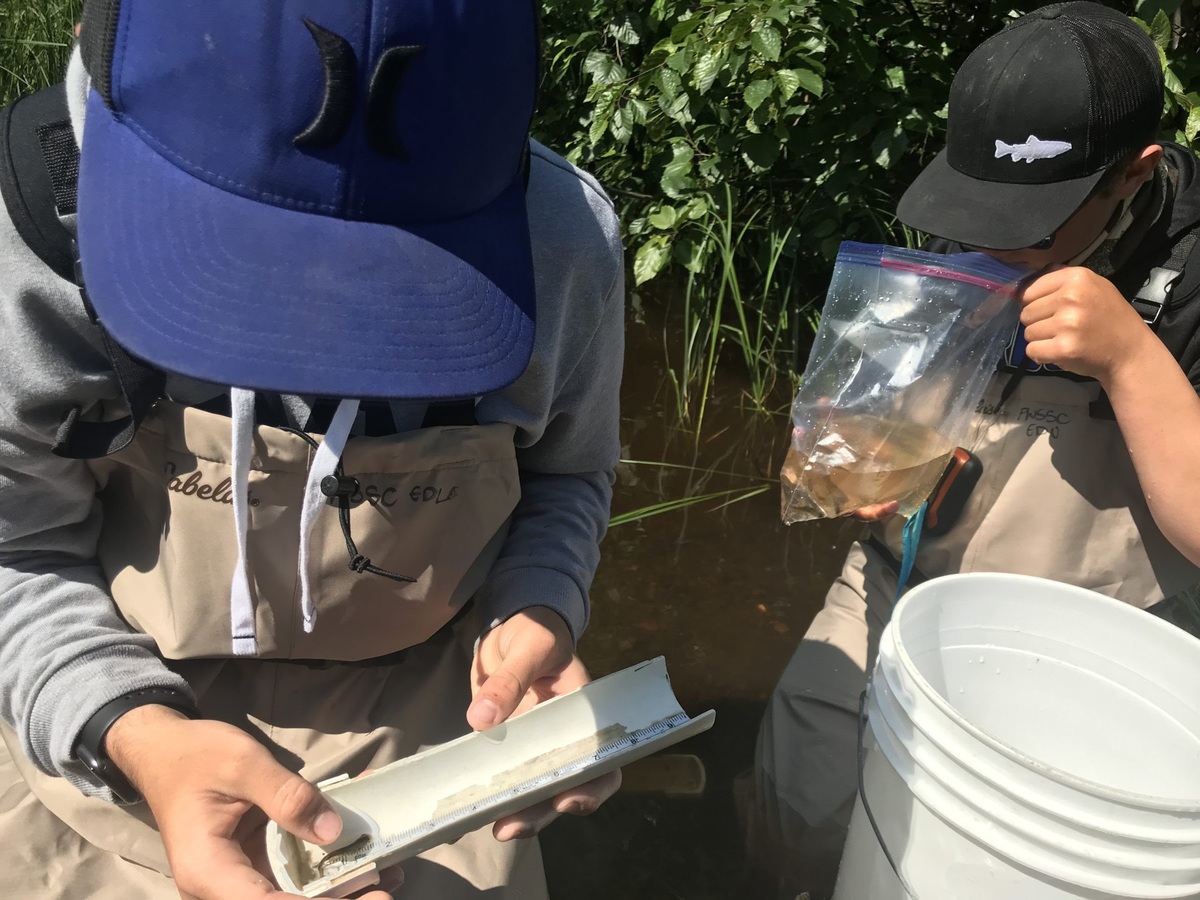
707 67
603 68
682 29
811 81
895 77
690 253
650 258
766 42
697 208
1192 128
602 114
889 147
862 126
669 82
788 81
680 61
757 92
664 218
622 124
678 110
677 175
599 126
824 228
1171 82
711 167
760 151
1145 8
779 13
1161 30
625 32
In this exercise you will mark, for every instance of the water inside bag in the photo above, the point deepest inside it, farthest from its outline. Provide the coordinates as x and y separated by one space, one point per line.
859 459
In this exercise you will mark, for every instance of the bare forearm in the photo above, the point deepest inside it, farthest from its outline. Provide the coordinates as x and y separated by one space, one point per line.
1159 415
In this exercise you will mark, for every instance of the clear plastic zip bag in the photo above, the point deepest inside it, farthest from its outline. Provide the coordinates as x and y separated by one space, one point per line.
907 343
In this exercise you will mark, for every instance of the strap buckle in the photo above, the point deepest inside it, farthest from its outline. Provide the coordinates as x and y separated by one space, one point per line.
1154 294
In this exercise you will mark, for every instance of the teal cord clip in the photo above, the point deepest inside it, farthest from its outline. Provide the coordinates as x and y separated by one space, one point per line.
912 537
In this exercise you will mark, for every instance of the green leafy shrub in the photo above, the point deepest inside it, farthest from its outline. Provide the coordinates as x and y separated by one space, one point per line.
782 127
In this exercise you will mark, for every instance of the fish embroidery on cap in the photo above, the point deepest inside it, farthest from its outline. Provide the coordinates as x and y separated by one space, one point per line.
1032 149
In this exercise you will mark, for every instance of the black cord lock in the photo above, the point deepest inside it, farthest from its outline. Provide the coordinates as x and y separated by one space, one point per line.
340 487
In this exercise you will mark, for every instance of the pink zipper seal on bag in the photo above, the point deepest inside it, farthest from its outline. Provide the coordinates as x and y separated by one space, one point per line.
948 274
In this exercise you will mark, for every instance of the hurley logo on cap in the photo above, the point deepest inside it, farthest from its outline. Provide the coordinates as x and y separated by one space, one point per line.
337 105
1033 148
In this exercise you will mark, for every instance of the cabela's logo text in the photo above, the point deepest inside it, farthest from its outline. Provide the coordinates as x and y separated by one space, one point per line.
194 486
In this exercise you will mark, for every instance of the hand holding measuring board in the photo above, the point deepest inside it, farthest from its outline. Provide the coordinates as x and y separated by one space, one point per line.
437 796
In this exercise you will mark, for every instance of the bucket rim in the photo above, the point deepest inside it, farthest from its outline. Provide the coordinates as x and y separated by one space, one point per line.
1096 789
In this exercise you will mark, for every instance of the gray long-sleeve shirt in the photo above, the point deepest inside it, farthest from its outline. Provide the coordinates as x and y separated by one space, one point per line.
65 652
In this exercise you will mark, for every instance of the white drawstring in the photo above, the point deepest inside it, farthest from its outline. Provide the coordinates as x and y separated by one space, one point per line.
325 460
241 605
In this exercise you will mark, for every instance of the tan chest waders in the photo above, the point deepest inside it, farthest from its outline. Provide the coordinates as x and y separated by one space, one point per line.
432 504
1058 498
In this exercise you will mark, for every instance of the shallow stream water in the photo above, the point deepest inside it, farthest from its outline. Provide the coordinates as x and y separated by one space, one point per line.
724 594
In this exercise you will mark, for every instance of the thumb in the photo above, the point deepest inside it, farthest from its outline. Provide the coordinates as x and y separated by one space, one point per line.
295 804
502 691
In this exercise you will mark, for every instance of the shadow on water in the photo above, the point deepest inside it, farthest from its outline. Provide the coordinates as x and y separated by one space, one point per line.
724 594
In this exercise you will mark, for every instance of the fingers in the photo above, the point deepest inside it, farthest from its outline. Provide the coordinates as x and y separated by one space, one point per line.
586 798
389 880
876 512
251 775
526 823
533 645
577 801
1047 283
212 868
501 693
298 806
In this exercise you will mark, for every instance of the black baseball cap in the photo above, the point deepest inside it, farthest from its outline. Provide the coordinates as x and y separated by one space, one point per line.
1038 113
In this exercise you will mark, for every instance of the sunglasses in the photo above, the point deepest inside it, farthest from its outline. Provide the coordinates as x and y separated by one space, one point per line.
1044 244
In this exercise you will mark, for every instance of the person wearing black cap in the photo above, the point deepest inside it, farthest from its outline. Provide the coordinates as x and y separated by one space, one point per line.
307 450
1087 433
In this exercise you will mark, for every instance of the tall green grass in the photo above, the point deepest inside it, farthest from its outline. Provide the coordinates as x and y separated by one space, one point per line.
35 40
746 296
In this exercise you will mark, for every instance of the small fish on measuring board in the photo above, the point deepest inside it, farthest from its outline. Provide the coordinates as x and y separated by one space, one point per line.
443 792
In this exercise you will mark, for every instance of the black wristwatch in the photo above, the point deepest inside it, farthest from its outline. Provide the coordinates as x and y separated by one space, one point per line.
89 748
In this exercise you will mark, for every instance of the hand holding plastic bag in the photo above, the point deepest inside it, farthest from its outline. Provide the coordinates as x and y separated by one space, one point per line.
906 345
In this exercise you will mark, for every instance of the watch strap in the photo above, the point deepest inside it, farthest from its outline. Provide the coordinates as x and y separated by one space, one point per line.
89 747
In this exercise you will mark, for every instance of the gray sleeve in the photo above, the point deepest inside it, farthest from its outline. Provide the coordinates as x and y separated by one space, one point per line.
64 650
566 406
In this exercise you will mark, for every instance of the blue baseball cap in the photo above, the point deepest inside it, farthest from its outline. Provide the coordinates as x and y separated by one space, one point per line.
312 196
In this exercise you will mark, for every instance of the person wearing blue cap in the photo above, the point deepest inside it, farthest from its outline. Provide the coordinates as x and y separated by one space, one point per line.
1080 461
309 417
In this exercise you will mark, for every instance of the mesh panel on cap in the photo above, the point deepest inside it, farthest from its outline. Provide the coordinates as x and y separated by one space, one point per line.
1126 83
97 37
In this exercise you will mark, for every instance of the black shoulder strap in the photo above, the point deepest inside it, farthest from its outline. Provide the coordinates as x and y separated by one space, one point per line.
1154 296
141 387
39 171
39 166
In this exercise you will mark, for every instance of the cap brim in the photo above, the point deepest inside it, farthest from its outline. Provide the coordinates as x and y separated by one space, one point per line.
994 215
212 285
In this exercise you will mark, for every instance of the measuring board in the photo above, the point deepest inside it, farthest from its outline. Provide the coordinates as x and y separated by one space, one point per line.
447 791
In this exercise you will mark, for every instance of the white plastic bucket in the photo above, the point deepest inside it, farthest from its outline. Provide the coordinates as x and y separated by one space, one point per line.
1027 740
